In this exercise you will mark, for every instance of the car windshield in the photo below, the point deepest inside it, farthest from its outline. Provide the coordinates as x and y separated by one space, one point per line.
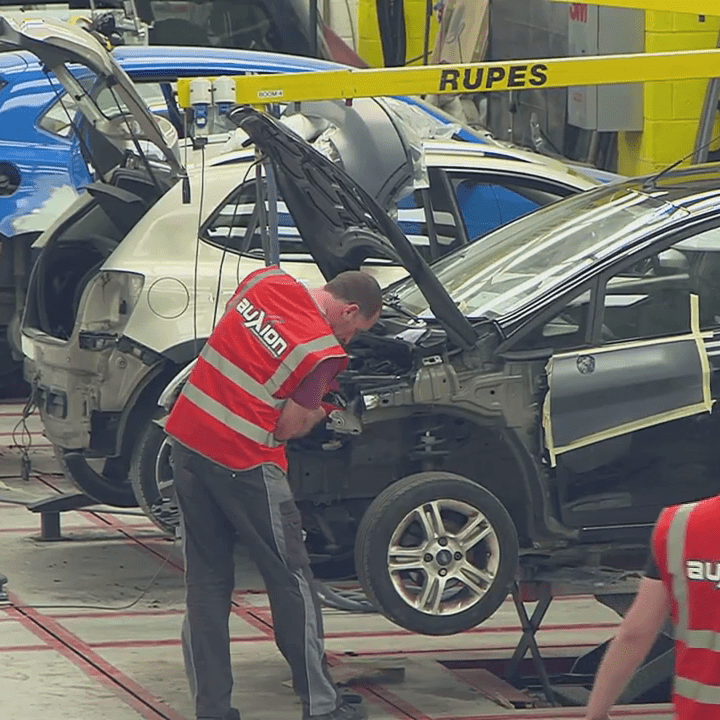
513 265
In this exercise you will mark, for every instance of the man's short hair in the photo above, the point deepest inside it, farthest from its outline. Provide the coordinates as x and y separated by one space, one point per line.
354 286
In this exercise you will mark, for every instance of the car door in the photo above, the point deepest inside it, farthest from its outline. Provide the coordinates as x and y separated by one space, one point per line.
627 420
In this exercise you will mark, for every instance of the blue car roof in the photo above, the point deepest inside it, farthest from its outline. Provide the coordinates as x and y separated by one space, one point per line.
13 61
165 59
184 61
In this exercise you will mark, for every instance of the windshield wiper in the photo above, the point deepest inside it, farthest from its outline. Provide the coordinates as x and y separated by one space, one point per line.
393 300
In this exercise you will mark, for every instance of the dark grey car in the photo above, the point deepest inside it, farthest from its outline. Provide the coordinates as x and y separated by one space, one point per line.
537 396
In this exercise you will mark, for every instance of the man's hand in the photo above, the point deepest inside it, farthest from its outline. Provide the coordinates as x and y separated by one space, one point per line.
296 421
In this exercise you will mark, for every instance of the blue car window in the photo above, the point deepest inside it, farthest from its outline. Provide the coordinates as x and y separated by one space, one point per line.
487 203
479 206
513 204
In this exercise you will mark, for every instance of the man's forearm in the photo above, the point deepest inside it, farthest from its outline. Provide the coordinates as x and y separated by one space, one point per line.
636 635
621 660
308 423
312 420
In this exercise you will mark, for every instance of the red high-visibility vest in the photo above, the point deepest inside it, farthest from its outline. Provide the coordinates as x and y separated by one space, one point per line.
686 543
270 338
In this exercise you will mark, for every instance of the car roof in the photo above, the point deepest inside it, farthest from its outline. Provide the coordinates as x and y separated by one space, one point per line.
489 157
443 154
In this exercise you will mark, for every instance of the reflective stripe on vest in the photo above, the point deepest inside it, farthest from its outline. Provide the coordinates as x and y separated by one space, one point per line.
239 377
676 566
692 639
699 692
228 409
230 419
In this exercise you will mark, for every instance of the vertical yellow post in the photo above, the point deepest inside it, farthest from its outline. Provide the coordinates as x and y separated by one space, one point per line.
672 109
369 44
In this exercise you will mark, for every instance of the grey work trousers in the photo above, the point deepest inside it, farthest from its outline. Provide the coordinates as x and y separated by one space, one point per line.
257 508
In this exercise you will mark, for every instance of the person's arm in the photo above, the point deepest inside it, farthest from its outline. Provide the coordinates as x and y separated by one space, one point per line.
636 636
296 421
303 411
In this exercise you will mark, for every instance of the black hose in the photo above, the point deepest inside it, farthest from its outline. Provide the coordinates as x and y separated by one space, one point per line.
426 36
348 600
391 21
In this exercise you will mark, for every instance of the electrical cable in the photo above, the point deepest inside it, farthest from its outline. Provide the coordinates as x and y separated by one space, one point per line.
353 32
110 608
25 441
250 229
348 600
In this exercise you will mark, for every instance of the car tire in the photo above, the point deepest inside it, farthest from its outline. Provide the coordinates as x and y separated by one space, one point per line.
151 476
107 486
442 581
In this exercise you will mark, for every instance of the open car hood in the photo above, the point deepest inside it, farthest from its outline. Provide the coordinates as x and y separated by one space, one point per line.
374 147
340 222
56 44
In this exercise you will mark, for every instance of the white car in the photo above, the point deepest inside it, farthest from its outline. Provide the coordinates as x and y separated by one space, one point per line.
132 277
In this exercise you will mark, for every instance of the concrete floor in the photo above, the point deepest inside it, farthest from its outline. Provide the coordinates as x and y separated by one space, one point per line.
77 644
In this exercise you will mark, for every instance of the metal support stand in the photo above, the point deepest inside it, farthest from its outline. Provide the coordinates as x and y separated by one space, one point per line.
612 588
530 626
50 509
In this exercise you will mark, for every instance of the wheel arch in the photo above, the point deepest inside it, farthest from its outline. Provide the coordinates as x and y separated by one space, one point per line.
508 470
144 396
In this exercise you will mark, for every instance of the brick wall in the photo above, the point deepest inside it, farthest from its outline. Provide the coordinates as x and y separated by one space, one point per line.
672 109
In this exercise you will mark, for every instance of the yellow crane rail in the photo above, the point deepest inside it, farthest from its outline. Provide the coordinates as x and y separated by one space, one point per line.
470 77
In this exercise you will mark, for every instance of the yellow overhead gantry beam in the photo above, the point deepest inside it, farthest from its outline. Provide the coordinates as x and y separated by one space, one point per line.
693 7
471 77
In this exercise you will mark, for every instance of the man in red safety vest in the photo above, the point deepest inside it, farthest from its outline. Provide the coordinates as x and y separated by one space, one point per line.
682 581
258 382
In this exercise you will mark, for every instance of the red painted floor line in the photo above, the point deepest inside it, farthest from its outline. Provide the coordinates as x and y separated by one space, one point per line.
172 642
81 654
239 607
91 615
23 648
